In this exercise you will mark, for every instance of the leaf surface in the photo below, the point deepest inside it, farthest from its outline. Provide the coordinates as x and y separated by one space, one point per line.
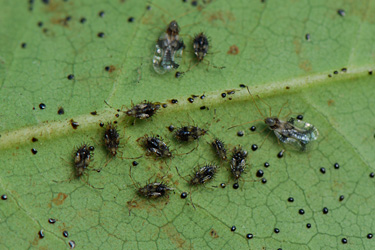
262 44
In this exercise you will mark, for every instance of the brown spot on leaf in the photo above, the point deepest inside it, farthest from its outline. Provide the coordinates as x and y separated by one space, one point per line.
111 68
221 16
297 45
305 65
59 200
214 234
233 50
175 237
330 102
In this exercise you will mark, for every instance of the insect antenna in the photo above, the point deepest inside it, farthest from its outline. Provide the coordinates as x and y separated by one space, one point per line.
252 97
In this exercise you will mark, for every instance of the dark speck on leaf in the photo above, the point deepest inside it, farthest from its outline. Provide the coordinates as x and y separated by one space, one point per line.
70 77
369 236
171 128
164 105
101 34
233 228
300 117
93 113
101 13
51 221
336 166
191 100
325 210
23 45
101 124
370 72
308 225
183 195
344 240
74 124
60 111
34 139
335 72
344 70
202 97
242 86
107 68
148 7
236 186
291 199
202 107
82 20
42 106
223 95
372 175
134 163
40 24
240 133
341 198
276 230
249 236
260 173
254 147
131 19
341 12
45 1
323 170
72 244
264 180
34 151
253 128
194 3
4 197
329 75
307 37
280 154
222 185
301 211
68 18
266 164
41 234
66 234
174 101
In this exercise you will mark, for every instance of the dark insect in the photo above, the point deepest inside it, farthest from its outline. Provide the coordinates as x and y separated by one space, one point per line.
155 145
219 148
189 133
152 190
82 159
111 139
201 176
238 162
200 45
143 110
168 50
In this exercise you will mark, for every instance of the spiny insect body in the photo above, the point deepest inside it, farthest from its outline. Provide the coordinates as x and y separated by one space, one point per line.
82 159
156 146
238 162
219 148
111 139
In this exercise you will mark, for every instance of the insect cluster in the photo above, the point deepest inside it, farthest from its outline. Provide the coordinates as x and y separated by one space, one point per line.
169 49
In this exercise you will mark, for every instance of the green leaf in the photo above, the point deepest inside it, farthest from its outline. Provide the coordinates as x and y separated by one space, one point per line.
273 58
